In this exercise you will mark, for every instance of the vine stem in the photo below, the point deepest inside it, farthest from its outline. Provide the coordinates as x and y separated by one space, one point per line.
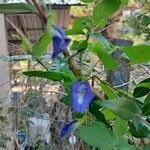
22 35
71 63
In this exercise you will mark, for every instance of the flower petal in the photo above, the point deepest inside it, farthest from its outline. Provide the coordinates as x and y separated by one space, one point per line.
56 47
58 31
81 95
68 128
60 41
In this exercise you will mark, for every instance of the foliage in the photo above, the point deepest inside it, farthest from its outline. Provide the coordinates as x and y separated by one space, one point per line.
16 8
130 115
137 25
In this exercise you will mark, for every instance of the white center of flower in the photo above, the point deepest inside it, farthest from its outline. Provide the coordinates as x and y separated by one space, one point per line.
81 92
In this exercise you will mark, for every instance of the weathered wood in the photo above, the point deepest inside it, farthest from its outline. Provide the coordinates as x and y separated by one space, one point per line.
120 78
62 15
4 84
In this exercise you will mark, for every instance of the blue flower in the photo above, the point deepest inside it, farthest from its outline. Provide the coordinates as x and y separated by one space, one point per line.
81 95
60 41
70 127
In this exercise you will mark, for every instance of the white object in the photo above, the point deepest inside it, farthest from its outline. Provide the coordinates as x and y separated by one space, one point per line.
72 139
39 126
126 13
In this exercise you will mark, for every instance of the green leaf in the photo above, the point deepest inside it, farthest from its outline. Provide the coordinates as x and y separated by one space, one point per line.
146 107
108 61
124 2
87 1
97 135
122 107
50 20
41 45
147 147
66 100
103 10
101 39
124 145
77 116
109 115
17 8
54 76
142 89
74 31
80 22
120 127
140 129
109 91
102 23
95 110
26 44
79 45
138 54
147 99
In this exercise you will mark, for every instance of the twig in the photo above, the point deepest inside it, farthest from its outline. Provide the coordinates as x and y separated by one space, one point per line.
53 91
40 10
97 94
15 27
95 91
22 35
72 65
122 85
122 21
17 143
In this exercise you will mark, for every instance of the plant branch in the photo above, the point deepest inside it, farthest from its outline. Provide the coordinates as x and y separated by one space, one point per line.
22 35
107 27
40 10
72 65
127 96
15 27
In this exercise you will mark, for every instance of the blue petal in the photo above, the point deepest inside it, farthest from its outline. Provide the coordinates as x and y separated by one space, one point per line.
68 128
60 41
56 47
58 31
81 95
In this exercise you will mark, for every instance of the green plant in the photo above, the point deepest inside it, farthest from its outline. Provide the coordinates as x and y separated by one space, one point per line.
114 118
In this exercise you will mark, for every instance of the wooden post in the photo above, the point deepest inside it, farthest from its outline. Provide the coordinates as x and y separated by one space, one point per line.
120 78
4 84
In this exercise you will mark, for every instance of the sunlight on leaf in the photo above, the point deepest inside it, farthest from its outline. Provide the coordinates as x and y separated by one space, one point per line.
138 54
